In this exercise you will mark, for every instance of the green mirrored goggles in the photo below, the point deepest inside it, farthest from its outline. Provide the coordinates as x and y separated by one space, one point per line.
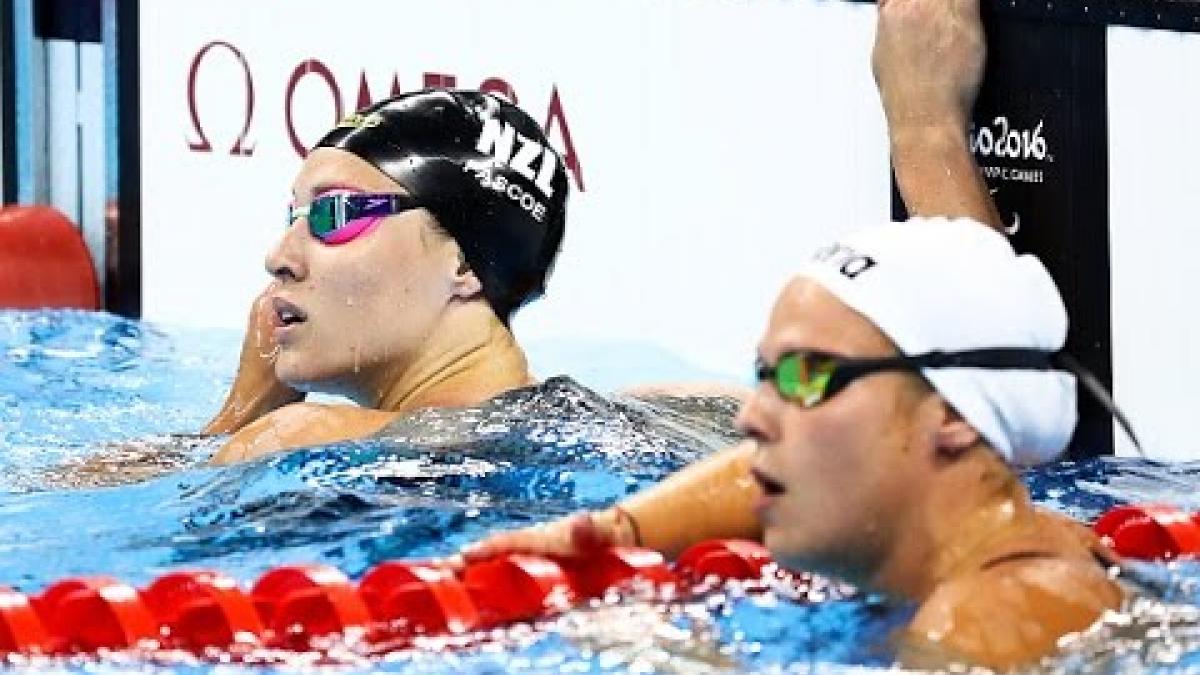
810 377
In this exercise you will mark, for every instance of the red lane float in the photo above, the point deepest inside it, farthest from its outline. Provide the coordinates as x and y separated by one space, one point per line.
300 602
43 261
396 601
21 629
518 587
1149 531
200 610
413 599
725 559
612 567
87 614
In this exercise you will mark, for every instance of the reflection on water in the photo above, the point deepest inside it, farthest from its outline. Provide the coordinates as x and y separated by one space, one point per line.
88 400
122 462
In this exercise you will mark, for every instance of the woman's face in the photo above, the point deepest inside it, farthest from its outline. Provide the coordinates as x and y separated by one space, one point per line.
838 479
349 316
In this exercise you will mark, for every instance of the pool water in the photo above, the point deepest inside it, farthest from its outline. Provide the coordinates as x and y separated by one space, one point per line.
89 403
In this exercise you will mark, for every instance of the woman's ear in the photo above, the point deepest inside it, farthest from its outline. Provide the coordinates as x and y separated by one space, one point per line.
466 285
954 435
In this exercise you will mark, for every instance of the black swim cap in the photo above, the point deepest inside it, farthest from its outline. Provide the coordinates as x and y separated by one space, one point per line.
484 169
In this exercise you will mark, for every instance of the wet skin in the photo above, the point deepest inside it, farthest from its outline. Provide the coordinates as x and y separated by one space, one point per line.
885 486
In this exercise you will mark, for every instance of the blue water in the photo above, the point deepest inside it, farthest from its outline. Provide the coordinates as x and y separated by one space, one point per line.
88 399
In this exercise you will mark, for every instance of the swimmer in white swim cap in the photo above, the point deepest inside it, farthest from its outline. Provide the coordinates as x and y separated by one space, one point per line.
902 375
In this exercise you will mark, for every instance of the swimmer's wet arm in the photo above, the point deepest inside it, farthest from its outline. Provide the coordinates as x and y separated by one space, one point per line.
710 499
255 391
928 63
301 425
251 396
937 175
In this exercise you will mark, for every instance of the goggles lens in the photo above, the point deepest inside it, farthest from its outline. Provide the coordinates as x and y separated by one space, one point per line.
802 377
329 214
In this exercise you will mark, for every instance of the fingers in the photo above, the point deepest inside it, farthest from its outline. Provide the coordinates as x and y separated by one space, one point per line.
262 324
924 11
547 539
262 301
589 533
571 537
928 60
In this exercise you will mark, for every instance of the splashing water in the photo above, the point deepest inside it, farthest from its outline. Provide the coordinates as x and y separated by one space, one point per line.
89 400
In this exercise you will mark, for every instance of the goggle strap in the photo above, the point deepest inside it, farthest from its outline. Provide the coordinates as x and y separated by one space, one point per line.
994 359
376 205
1032 359
1095 387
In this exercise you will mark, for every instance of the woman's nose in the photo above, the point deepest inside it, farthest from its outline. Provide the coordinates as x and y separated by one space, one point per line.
756 418
286 260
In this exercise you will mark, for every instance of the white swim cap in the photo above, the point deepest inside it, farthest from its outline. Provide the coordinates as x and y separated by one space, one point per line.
933 284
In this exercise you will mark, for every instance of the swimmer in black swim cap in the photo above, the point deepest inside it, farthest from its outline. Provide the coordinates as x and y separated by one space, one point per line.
486 172
417 227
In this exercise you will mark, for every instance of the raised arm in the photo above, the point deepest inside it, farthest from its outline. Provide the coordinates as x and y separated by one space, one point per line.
255 391
929 79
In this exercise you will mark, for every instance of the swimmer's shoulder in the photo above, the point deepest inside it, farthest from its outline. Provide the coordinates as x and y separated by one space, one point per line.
300 425
1014 608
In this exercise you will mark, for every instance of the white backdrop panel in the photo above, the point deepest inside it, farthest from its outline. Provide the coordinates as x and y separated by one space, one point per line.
1154 143
718 143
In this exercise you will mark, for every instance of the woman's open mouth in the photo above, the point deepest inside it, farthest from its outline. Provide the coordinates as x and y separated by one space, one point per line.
768 485
286 313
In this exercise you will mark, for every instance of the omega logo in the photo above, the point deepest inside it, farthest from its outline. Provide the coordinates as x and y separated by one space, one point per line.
556 115
202 144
